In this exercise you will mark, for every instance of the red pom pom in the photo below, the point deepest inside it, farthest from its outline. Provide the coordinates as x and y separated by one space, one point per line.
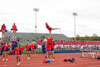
44 61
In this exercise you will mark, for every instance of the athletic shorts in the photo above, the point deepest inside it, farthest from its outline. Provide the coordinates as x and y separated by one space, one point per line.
33 49
14 29
39 46
52 49
4 30
18 55
48 50
50 29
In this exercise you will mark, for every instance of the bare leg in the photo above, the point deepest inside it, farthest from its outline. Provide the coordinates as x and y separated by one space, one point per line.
3 32
48 56
34 52
52 53
29 54
49 34
17 59
55 28
4 57
15 32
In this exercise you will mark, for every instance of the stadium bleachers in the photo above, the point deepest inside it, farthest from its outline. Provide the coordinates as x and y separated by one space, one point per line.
24 36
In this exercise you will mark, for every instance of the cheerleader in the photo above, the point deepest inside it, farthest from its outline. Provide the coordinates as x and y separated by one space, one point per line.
39 43
50 28
50 44
19 51
14 29
34 46
3 30
6 48
28 49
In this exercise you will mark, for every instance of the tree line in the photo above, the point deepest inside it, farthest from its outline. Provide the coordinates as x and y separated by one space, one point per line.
94 37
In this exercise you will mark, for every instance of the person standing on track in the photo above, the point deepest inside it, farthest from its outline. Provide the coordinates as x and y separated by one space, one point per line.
34 46
28 49
6 48
19 51
44 43
39 43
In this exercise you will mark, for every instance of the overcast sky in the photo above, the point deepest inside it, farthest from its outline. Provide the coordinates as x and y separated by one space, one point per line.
58 13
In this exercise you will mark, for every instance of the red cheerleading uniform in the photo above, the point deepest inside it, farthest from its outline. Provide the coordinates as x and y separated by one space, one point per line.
52 44
5 47
27 47
82 43
48 27
33 46
66 43
14 27
39 42
17 50
60 42
99 43
3 27
49 46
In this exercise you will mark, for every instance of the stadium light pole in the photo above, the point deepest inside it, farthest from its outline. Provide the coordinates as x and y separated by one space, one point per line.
74 14
36 10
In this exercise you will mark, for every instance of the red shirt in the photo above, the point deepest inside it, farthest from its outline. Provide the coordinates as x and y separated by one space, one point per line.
66 43
52 44
17 50
3 27
49 46
82 43
39 42
60 42
27 47
14 27
48 27
99 43
5 47
33 46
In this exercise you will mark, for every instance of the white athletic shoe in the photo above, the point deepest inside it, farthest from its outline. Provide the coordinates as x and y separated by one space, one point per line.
53 59
6 59
28 58
3 59
18 63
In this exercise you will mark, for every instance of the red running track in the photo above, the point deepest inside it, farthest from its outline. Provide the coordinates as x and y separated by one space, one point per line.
37 61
